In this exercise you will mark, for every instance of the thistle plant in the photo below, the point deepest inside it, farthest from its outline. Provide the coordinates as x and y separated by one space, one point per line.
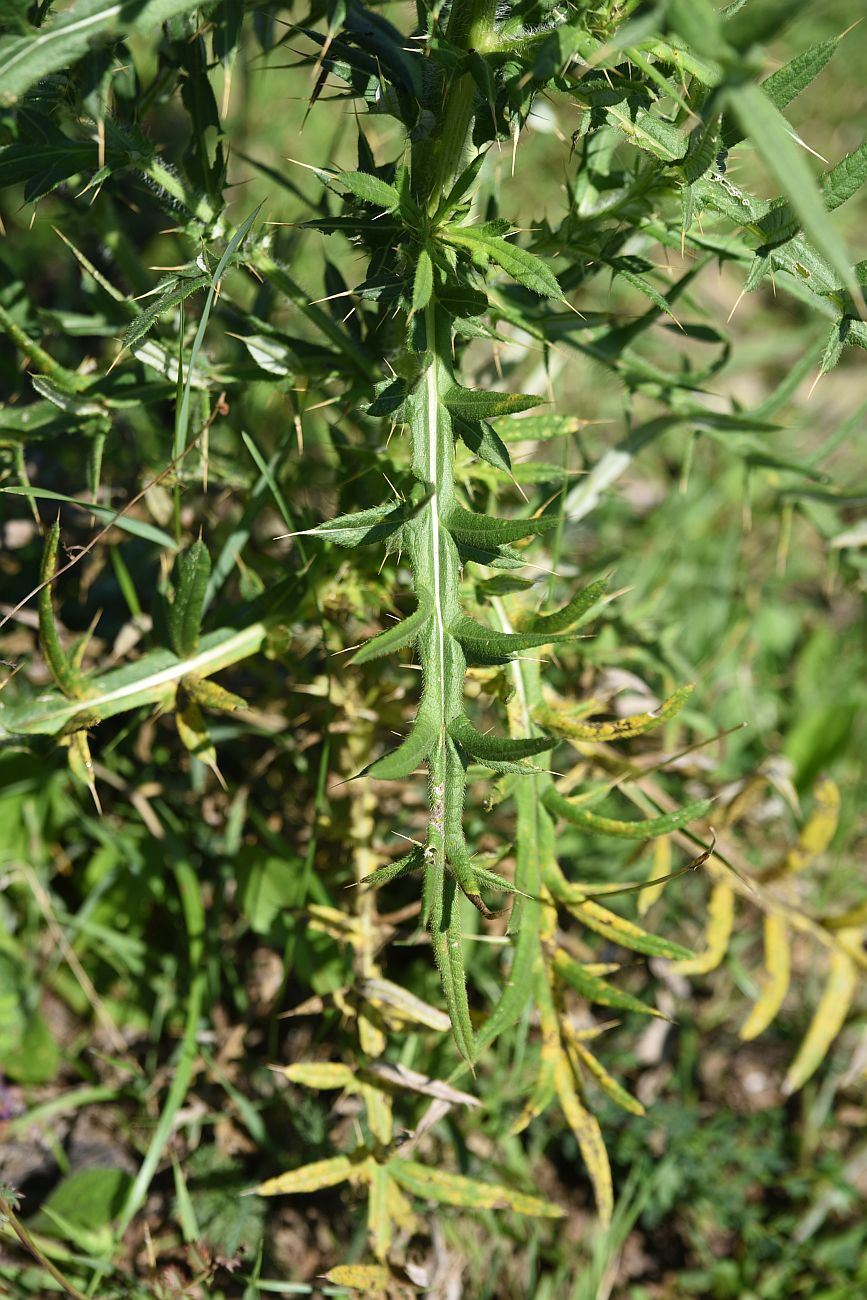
408 377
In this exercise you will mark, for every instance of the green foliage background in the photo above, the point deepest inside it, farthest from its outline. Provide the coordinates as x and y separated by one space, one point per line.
148 946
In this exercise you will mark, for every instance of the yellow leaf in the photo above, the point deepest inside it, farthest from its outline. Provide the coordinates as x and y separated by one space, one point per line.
378 1107
606 1081
311 1178
321 1074
777 967
454 1189
721 915
403 1007
819 830
829 1015
589 1137
661 867
562 721
369 1278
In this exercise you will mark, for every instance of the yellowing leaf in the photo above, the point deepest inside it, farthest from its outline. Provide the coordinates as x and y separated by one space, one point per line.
609 1085
400 1006
563 722
321 1074
455 1189
311 1178
589 1137
721 915
369 1278
819 830
777 967
661 867
829 1015
379 1211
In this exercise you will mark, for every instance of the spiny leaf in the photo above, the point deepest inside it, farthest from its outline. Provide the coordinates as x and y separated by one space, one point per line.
169 293
524 267
593 823
777 967
412 751
413 861
370 189
487 445
486 645
721 915
770 134
846 178
560 720
445 931
829 1016
485 746
454 1189
402 634
362 527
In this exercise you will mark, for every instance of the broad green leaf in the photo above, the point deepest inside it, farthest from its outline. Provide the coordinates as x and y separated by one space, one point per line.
481 404
470 528
454 1189
771 135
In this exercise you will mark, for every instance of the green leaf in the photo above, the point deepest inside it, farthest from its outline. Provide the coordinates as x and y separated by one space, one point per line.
480 404
486 645
135 527
422 285
88 1198
526 268
412 752
404 866
402 634
363 527
185 611
597 990
771 135
24 60
370 189
570 614
169 292
594 824
502 748
481 439
846 178
266 884
473 529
